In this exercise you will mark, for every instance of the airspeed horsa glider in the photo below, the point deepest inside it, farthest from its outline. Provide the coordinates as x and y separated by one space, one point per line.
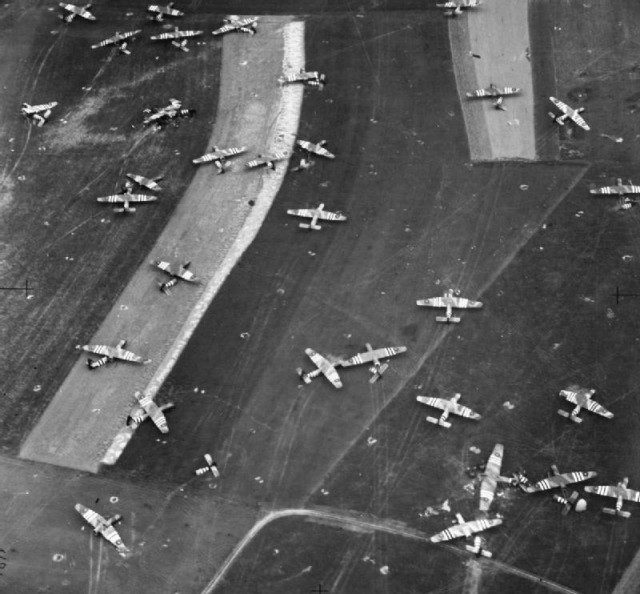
314 214
324 367
315 148
176 34
453 9
163 11
153 410
219 156
38 114
109 353
448 406
234 23
495 93
119 39
146 182
138 414
581 397
210 467
491 477
465 529
619 189
449 301
567 112
104 527
269 161
557 480
313 79
620 492
377 369
125 198
181 274
72 11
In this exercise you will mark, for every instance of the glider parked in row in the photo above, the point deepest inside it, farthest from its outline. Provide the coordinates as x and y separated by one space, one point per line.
448 406
557 480
567 112
495 93
125 198
314 214
211 467
38 114
620 493
581 397
153 411
454 9
159 12
449 301
374 356
181 274
324 367
121 40
108 354
312 78
619 189
71 11
234 23
465 529
315 148
176 34
219 156
142 411
104 527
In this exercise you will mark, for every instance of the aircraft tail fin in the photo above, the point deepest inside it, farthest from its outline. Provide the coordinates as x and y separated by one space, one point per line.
452 320
435 421
303 375
616 512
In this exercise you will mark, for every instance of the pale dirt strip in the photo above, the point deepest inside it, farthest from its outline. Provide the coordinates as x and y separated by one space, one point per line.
212 226
361 523
283 133
499 33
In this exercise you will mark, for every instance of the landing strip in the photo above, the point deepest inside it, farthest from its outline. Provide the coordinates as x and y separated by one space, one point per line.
212 226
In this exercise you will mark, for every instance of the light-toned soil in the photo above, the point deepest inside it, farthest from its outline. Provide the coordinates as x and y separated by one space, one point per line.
499 34
211 227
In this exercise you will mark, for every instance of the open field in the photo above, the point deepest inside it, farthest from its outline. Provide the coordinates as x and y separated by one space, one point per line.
421 218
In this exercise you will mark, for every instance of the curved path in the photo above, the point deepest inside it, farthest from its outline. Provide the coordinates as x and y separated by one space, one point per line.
356 522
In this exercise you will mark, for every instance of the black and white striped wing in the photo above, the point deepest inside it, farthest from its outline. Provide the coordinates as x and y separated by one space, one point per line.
331 216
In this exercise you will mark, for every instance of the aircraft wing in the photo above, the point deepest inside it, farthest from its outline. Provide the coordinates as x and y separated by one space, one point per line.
432 302
145 181
164 266
140 198
464 411
578 119
561 480
89 515
382 353
125 355
466 529
440 403
325 367
563 107
331 216
462 303
603 490
98 349
187 275
111 534
479 93
225 29
597 408
302 212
